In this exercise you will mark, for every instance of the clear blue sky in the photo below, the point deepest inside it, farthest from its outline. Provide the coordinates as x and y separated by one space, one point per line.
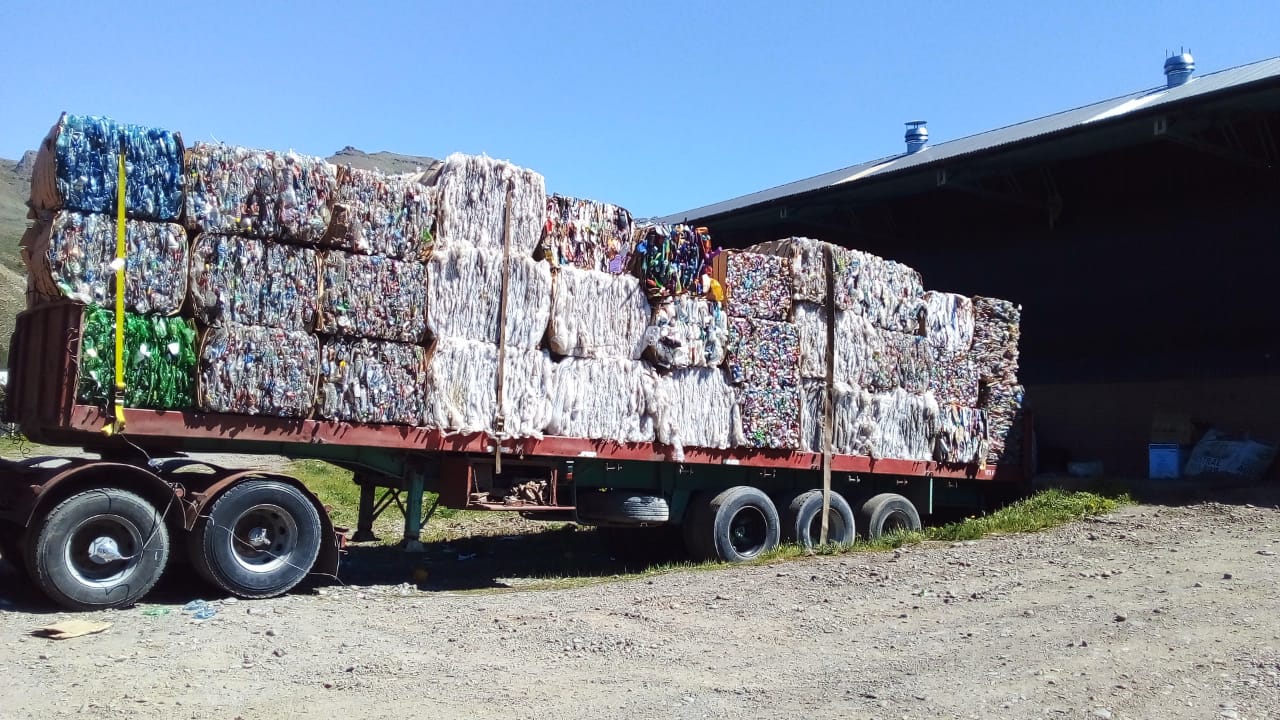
660 106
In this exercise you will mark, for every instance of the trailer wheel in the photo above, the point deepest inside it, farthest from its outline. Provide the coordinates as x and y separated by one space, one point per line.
738 524
622 508
802 520
258 539
886 513
102 548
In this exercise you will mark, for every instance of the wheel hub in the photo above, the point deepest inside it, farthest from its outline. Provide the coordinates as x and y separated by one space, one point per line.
258 538
103 550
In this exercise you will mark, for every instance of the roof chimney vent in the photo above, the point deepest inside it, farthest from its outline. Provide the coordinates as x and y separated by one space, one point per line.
917 136
1178 69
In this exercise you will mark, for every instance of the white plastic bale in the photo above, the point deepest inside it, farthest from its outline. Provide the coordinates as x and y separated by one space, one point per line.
948 322
596 314
898 360
892 425
858 343
371 381
253 282
471 201
604 399
888 293
462 389
588 235
464 286
687 331
259 193
253 370
697 408
962 435
379 214
812 409
373 296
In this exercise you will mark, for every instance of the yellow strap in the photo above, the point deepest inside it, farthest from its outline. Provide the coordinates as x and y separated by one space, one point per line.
117 424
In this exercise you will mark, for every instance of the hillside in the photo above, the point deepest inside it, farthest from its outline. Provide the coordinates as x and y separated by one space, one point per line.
15 182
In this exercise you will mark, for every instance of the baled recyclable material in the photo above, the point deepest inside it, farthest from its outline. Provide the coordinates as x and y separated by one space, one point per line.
763 351
898 360
948 322
259 193
887 293
72 255
378 214
588 235
77 168
962 435
808 265
255 370
471 200
687 332
1003 404
462 395
373 296
758 286
159 359
372 381
248 281
888 425
673 259
464 289
597 315
604 399
996 332
697 408
954 378
770 414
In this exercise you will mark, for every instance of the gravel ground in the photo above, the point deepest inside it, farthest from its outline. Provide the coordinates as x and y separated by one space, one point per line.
1152 612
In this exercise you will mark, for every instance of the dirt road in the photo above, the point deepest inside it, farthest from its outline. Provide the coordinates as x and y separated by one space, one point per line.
1153 612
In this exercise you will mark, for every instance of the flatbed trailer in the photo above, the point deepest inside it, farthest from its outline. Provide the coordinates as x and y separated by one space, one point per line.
98 533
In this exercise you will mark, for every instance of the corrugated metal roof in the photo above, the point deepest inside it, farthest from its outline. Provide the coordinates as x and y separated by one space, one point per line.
1097 112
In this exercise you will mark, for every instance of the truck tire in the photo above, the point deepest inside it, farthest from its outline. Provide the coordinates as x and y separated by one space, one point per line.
886 513
258 539
622 508
738 524
102 548
802 520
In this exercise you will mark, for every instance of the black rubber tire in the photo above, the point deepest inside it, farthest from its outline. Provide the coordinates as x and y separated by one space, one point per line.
222 545
887 512
739 524
621 507
58 545
801 521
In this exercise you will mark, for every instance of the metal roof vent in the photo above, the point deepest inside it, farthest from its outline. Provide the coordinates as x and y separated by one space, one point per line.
1178 69
917 136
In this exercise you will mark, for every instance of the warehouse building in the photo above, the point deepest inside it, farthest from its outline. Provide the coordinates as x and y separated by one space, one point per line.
1140 234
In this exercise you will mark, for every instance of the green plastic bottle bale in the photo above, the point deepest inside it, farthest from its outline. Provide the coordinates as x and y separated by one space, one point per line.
160 360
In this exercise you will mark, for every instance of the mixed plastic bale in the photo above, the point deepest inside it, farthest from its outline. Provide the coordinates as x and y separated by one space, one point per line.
378 214
764 363
259 193
588 235
371 381
673 259
248 281
687 332
759 286
254 370
997 330
159 357
373 296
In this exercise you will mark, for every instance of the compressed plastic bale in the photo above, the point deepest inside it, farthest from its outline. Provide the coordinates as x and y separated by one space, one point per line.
464 289
372 381
254 370
72 255
1003 404
379 214
687 331
889 425
758 286
996 331
953 378
259 193
898 360
858 343
888 293
159 357
596 314
373 297
812 411
471 204
770 415
248 281
462 389
948 322
808 265
961 437
673 259
604 399
588 235
697 407
77 168
763 351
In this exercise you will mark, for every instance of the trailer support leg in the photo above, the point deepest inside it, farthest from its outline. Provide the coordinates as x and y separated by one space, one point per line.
413 514
364 524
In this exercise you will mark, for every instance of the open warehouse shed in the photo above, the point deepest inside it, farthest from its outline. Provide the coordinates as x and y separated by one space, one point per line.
1140 234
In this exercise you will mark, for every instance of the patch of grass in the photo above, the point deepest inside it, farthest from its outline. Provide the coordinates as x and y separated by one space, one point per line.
1041 511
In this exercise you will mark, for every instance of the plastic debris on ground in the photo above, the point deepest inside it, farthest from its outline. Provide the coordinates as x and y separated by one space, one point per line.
199 610
260 193
464 287
372 296
159 356
254 370
471 204
604 399
248 281
77 168
770 415
763 351
596 314
758 286
462 388
588 235
379 214
672 259
697 408
73 255
371 381
687 331
961 435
